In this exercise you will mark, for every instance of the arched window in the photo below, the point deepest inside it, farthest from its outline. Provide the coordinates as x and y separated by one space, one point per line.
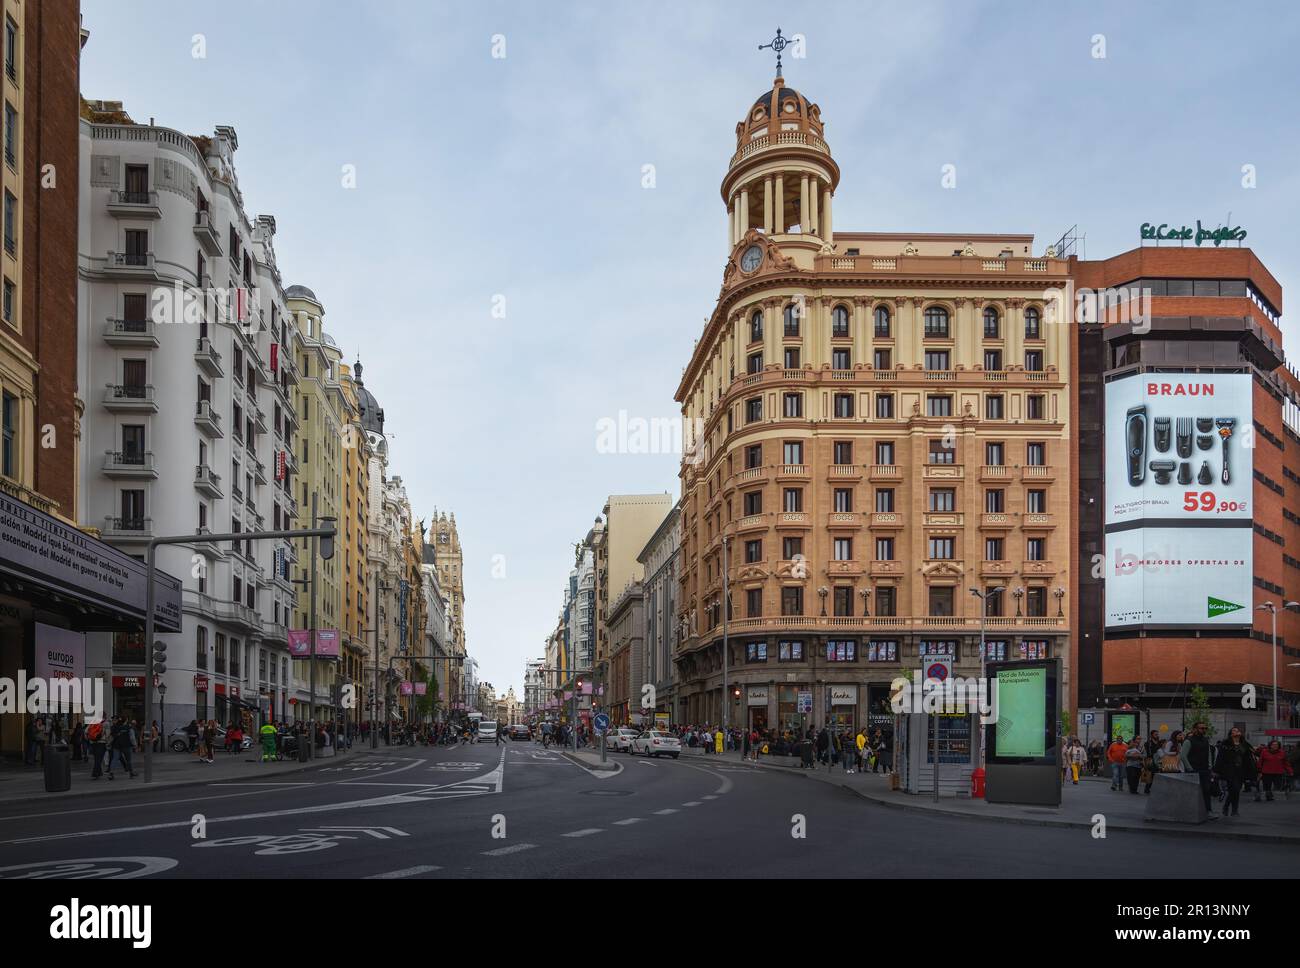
936 321
756 326
1033 324
840 321
882 322
791 315
992 325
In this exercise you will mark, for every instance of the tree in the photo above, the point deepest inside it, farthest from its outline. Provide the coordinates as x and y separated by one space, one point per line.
1198 710
426 705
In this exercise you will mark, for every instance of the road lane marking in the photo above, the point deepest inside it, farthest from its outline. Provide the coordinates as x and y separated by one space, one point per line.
405 872
709 796
587 832
664 813
691 803
627 822
512 849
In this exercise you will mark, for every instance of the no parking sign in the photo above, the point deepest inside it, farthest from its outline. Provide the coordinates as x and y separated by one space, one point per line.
939 669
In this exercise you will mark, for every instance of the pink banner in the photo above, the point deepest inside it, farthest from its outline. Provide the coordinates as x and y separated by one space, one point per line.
407 688
327 643
421 688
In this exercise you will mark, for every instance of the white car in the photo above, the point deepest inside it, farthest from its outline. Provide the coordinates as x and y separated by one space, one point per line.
487 731
621 739
653 742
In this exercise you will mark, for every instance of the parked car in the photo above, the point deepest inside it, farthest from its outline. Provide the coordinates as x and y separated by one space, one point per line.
653 742
519 731
621 739
178 741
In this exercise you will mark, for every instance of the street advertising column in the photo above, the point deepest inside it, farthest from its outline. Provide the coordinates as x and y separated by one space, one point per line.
1023 749
1179 482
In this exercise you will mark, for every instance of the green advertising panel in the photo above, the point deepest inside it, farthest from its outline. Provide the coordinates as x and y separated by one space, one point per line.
1022 712
1123 726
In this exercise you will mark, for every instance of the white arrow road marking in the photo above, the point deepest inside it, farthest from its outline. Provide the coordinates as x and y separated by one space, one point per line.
405 872
512 849
379 833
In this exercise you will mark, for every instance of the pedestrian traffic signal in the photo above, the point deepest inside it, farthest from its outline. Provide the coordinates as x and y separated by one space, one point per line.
579 685
159 657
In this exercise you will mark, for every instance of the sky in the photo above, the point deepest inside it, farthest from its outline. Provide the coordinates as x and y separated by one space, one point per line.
511 272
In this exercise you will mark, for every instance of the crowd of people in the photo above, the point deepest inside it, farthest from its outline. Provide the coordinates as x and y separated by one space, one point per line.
1225 769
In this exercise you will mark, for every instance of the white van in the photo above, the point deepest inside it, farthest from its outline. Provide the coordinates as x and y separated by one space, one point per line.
487 731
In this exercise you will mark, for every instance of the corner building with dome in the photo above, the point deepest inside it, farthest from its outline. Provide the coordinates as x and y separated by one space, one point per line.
886 424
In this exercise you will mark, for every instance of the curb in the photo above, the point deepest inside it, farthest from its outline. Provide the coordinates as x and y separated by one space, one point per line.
614 769
42 796
1145 827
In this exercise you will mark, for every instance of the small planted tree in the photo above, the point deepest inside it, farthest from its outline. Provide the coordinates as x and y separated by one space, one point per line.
1198 710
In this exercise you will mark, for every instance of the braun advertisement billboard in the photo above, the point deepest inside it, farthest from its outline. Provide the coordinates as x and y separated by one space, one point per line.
1178 520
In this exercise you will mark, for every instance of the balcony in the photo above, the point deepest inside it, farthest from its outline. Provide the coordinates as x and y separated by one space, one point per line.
207 234
1038 568
752 522
130 332
208 549
844 472
207 357
943 472
794 519
1038 520
134 204
258 468
233 613
207 419
130 398
792 472
996 569
843 519
128 530
749 476
259 421
131 464
944 519
995 472
136 266
207 481
1038 472
886 569
886 519
885 472
998 520
845 568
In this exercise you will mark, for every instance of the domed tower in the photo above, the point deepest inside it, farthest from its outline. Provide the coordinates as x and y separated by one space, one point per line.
781 179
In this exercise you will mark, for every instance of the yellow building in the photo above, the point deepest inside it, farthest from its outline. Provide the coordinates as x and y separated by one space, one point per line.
449 561
319 443
353 537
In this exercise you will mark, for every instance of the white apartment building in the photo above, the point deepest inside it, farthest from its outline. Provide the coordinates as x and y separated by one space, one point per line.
188 373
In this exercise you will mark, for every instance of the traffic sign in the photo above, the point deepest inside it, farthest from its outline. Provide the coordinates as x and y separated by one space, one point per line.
805 702
601 722
939 669
1089 718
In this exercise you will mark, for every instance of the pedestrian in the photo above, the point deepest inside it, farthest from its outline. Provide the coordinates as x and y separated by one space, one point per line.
1078 759
1150 750
848 752
1115 757
1095 752
155 737
1273 768
1197 756
1235 764
192 735
123 741
1133 763
96 734
717 741
1168 760
78 740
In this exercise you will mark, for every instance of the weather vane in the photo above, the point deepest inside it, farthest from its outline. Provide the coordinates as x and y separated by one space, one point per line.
778 44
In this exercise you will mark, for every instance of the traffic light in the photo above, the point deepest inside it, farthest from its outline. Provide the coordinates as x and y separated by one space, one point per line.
579 685
159 657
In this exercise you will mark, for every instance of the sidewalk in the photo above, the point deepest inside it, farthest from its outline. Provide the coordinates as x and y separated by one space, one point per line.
591 760
1276 822
19 783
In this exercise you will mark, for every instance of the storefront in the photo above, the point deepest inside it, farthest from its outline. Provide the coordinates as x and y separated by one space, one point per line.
756 698
844 707
794 704
56 584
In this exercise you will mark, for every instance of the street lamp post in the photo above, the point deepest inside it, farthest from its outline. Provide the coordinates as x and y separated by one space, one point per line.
1271 608
984 598
726 603
151 560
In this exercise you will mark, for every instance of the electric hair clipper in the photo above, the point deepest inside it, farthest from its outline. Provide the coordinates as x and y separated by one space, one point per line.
1135 434
1162 434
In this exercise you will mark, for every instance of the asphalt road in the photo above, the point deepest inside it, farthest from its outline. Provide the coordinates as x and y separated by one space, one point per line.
520 811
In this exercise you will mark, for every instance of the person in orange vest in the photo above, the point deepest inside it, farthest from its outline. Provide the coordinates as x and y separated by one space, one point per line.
1115 756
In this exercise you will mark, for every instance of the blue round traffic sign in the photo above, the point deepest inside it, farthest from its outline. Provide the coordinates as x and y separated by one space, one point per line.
602 722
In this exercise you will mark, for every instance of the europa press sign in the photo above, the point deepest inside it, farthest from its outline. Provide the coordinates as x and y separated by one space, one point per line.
1164 232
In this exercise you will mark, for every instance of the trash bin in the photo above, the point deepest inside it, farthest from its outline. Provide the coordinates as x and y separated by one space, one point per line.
58 768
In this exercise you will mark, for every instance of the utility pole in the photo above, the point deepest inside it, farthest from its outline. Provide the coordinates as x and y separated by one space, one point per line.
726 605
311 642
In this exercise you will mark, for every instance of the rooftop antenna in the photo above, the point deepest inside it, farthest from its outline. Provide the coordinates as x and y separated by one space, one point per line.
778 44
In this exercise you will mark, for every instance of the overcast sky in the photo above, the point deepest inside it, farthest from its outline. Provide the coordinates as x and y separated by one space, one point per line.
523 177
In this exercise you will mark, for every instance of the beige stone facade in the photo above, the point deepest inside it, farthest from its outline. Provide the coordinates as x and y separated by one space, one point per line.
886 426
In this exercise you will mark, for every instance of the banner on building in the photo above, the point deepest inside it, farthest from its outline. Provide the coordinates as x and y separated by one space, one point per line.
1179 512
327 643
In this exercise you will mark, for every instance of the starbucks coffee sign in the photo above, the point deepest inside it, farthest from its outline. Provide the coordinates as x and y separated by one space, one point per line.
1185 233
